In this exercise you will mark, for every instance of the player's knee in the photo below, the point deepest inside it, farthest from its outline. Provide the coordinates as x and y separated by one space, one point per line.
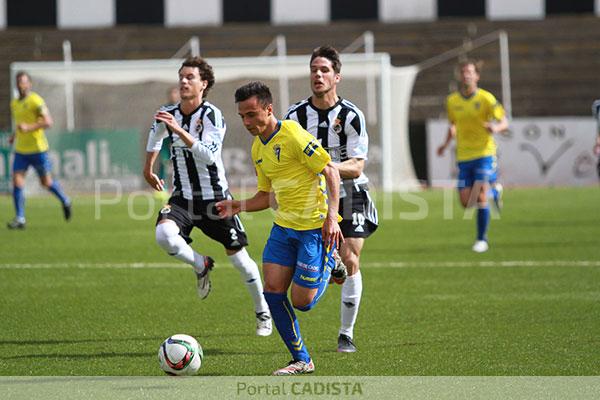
303 302
304 307
166 236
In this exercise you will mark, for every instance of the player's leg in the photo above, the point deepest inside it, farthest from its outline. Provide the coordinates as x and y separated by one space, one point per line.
231 234
279 259
20 165
314 264
43 167
360 221
18 180
483 171
351 292
173 226
466 180
496 188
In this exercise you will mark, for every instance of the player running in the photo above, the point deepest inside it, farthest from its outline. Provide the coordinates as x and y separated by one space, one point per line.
196 129
291 164
474 115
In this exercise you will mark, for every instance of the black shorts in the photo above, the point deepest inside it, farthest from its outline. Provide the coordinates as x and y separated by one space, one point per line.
358 212
203 215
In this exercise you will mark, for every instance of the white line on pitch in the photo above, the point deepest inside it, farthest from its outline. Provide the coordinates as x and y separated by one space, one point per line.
391 264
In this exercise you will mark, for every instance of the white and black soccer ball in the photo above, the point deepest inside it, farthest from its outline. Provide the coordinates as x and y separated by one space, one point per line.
180 355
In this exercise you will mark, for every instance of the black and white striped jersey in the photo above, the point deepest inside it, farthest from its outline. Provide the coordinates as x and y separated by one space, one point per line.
198 172
596 110
341 129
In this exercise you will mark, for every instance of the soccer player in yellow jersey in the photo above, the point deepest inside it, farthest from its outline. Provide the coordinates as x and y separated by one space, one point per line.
474 115
31 116
291 164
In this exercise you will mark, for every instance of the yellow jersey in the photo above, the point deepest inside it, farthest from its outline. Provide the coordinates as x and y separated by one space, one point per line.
289 164
29 110
473 140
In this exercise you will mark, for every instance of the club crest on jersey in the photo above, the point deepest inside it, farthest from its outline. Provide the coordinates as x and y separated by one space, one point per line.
166 209
199 127
277 151
337 126
477 105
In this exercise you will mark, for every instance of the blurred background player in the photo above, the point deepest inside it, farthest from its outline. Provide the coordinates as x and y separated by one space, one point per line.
196 130
341 129
474 115
596 113
299 252
31 117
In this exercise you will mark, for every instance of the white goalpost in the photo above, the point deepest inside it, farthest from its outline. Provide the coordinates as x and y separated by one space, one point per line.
123 95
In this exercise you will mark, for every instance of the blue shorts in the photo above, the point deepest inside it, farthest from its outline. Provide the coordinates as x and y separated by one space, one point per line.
480 169
39 161
302 250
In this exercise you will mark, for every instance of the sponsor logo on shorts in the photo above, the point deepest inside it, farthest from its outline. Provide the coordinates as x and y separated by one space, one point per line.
308 278
166 209
307 267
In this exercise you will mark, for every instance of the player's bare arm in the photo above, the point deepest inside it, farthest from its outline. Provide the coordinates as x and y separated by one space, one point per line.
497 126
228 208
451 135
332 234
44 121
351 168
153 180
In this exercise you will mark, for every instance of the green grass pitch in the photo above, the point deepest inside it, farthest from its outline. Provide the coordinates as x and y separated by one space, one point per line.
97 296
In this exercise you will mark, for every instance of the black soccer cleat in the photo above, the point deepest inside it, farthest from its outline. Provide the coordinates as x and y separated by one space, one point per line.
67 211
345 344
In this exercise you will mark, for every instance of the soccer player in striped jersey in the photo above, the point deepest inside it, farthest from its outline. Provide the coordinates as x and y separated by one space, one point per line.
291 164
196 129
341 129
30 117
475 116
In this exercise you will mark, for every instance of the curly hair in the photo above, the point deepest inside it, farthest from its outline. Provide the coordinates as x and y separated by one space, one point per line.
206 71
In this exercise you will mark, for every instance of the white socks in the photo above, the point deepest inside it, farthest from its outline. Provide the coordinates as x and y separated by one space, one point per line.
167 237
351 293
251 277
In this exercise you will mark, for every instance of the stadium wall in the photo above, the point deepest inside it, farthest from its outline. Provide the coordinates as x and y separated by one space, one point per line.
66 14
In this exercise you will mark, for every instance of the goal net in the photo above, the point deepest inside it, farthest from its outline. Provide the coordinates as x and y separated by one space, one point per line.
103 110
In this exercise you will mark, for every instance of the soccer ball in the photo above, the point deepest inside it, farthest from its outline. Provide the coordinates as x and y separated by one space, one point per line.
180 355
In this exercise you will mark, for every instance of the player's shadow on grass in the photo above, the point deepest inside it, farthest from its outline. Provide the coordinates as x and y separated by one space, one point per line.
77 356
221 352
76 341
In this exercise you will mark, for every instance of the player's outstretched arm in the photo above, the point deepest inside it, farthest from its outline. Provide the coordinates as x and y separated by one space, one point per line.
332 234
228 208
153 180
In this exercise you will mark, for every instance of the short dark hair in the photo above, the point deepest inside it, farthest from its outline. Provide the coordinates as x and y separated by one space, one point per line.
329 53
255 88
22 73
206 71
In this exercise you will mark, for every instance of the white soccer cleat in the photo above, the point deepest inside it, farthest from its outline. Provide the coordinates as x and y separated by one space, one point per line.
203 285
296 368
480 246
264 325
